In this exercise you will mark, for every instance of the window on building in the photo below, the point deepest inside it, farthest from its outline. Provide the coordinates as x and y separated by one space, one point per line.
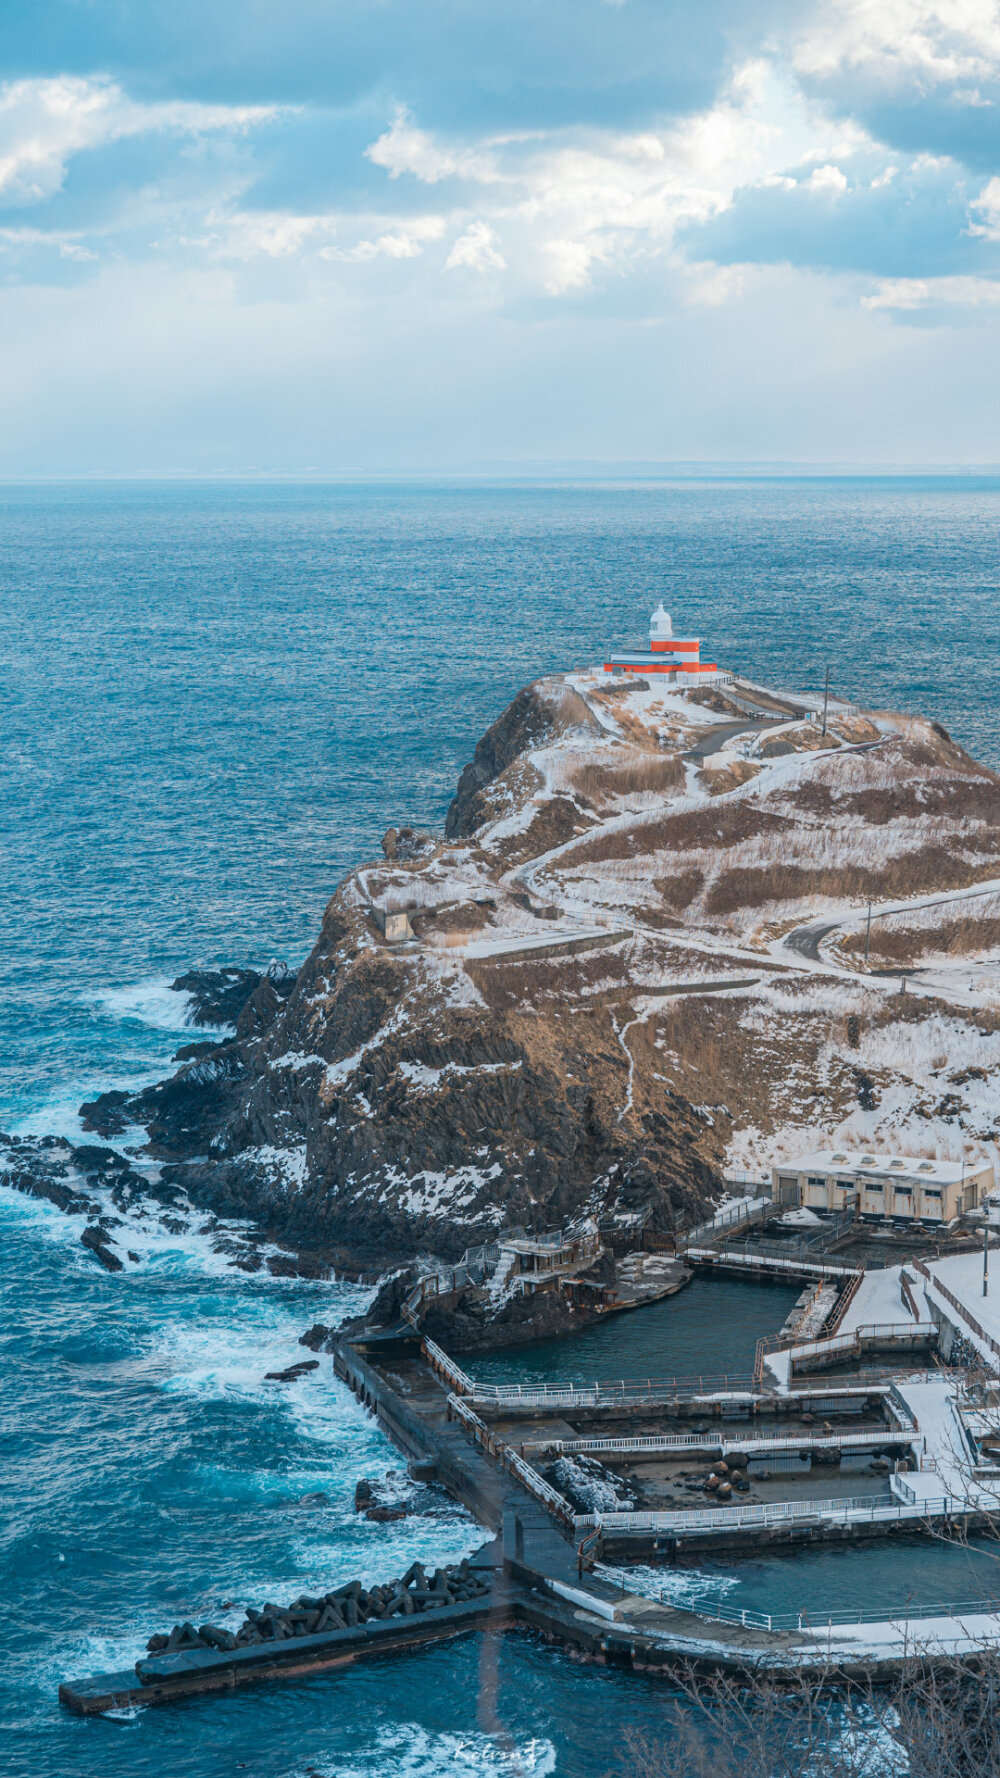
817 1181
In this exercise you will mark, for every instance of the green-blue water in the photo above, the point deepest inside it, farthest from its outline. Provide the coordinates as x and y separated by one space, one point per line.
214 700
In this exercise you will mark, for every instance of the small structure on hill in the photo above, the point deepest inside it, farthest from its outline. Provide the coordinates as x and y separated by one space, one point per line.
676 657
393 923
882 1186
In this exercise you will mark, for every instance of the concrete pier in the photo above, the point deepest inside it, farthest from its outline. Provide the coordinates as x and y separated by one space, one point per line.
536 1563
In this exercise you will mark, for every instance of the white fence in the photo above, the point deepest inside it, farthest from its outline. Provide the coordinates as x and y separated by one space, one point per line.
765 1262
511 1461
793 1441
446 1368
852 1509
802 1620
871 1334
623 1393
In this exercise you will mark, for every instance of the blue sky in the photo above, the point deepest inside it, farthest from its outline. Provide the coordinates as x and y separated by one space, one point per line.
238 236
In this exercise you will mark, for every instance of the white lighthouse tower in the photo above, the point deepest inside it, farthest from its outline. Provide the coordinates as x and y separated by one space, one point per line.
660 627
679 657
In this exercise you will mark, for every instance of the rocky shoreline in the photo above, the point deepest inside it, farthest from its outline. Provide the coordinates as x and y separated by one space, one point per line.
538 1050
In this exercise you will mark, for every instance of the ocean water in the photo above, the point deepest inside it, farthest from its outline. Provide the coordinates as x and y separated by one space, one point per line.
215 699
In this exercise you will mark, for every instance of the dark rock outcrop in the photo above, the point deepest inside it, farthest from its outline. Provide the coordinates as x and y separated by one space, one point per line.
95 1240
218 996
538 713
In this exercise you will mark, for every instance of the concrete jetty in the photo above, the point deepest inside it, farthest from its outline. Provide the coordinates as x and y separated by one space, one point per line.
536 1571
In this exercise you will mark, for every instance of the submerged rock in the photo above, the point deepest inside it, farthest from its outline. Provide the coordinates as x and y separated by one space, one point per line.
93 1239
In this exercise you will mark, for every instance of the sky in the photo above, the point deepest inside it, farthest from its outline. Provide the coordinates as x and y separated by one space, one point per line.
291 237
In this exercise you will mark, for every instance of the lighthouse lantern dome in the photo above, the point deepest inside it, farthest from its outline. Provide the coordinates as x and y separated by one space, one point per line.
660 625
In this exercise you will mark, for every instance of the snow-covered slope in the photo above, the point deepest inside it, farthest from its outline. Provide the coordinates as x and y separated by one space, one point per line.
615 985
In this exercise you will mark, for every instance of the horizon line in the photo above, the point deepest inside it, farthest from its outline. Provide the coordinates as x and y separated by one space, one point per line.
518 470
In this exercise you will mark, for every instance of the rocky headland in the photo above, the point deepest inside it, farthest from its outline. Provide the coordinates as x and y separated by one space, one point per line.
629 964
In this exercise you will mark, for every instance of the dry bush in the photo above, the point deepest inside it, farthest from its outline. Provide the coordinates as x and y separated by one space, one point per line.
706 1036
729 824
960 799
937 1719
910 873
650 772
507 982
717 780
680 891
556 821
908 945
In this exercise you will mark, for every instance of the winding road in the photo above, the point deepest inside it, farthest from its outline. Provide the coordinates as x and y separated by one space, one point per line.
806 941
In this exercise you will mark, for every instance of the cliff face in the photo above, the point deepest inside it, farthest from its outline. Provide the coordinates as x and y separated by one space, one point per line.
535 1051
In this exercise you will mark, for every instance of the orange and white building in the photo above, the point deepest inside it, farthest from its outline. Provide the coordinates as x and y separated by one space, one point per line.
678 657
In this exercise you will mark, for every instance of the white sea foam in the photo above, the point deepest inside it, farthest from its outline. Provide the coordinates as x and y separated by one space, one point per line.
154 1003
410 1751
678 1586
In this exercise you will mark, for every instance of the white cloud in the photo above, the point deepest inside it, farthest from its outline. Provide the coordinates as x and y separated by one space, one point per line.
43 123
247 235
569 202
406 149
923 293
988 203
934 40
478 249
828 179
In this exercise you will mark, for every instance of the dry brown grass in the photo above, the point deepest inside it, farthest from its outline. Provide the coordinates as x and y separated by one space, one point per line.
680 891
556 821
908 944
525 982
654 773
717 780
911 873
959 799
715 828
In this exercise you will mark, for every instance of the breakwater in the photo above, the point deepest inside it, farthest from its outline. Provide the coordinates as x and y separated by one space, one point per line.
536 1573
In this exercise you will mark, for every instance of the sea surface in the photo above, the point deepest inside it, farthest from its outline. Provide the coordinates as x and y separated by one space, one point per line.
214 700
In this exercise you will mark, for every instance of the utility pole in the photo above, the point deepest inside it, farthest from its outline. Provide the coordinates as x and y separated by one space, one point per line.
868 933
826 698
986 1255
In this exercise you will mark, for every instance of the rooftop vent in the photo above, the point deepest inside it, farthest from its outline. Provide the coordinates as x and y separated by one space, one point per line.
840 1157
897 1164
926 1167
868 1160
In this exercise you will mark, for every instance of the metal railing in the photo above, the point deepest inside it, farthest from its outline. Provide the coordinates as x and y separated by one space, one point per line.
847 1297
726 1221
619 1393
446 1368
750 1619
853 1508
768 1261
872 1333
959 1307
510 1460
800 1441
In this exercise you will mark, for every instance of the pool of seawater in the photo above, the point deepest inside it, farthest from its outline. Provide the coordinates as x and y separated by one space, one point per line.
709 1328
891 1575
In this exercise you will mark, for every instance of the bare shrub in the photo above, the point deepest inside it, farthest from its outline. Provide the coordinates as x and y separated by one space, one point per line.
906 944
910 873
938 1719
653 773
719 780
679 892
